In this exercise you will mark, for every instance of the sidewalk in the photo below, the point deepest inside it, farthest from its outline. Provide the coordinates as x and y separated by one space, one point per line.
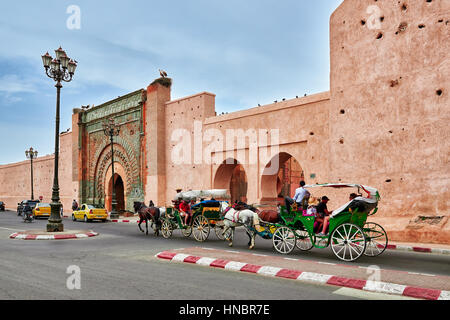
419 247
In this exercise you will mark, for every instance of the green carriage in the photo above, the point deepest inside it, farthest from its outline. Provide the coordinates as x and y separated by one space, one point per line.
206 215
350 235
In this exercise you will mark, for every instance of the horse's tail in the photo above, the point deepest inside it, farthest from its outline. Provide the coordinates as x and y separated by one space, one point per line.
157 216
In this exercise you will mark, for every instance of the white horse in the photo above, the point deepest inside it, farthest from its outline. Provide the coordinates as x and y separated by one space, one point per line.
246 218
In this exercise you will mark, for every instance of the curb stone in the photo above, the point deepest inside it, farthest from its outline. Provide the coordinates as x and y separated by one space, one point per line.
366 285
23 236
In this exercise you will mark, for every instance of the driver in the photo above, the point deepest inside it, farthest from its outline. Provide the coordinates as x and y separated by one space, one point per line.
301 194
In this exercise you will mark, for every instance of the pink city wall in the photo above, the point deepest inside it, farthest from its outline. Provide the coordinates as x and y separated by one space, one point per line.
15 179
389 111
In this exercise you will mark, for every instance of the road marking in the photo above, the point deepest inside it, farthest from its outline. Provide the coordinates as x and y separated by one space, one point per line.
360 294
11 229
292 259
422 274
328 263
232 251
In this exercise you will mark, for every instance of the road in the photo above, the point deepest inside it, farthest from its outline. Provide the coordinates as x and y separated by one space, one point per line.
120 264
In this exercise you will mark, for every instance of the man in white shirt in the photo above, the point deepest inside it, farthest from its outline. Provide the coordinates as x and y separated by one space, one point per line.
300 194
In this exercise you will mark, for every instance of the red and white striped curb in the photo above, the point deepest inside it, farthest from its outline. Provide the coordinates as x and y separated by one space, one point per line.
417 249
23 236
366 285
124 221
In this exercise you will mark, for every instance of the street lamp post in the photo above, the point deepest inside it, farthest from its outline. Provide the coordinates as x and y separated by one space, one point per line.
60 69
31 154
111 129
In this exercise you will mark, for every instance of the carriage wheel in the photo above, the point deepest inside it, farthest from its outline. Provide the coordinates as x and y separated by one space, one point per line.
166 229
348 242
218 228
284 240
200 228
187 231
303 241
377 239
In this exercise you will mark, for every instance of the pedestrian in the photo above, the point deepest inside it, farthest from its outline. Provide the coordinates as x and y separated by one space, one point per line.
74 205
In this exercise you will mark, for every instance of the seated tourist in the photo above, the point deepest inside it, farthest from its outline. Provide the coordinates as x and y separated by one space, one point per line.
313 202
323 215
185 211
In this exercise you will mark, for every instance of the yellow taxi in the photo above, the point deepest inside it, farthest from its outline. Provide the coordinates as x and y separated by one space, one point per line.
41 210
88 212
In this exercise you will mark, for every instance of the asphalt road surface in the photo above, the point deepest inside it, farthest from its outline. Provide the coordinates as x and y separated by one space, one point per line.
120 263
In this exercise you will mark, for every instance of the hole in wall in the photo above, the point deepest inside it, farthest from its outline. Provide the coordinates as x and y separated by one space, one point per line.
341 140
388 180
440 20
394 83
311 133
402 27
421 26
381 19
380 35
363 22
342 111
439 92
404 7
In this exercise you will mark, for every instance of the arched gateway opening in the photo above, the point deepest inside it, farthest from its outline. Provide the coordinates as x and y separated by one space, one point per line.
231 175
120 193
274 187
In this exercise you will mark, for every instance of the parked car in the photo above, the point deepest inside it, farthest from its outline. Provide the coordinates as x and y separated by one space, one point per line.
41 210
89 212
21 205
2 206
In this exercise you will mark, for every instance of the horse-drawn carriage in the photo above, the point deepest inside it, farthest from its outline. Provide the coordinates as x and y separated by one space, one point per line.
350 235
205 215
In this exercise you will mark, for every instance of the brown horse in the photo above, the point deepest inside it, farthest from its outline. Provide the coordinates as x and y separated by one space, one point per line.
148 213
271 216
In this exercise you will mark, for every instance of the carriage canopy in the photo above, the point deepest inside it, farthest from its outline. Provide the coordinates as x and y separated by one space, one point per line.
370 201
195 194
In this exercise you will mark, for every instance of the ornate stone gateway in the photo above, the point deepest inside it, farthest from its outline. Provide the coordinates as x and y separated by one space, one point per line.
95 152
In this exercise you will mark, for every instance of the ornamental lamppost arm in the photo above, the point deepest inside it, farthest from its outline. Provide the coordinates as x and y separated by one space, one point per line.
31 154
111 129
60 69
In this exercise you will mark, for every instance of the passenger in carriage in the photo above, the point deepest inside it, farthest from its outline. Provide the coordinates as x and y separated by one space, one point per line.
352 196
323 215
185 211
313 202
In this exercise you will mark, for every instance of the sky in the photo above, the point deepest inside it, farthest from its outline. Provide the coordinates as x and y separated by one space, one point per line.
247 52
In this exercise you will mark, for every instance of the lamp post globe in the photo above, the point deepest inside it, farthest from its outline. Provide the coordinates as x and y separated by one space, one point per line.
60 69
